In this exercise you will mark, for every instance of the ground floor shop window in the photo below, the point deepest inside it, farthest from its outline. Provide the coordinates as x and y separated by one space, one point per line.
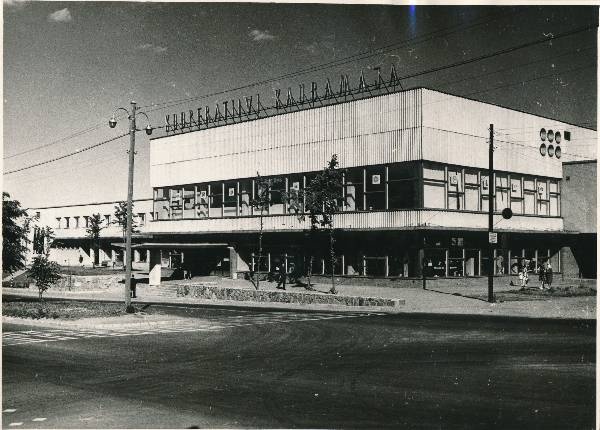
375 266
435 262
398 265
471 262
353 264
264 262
455 262
337 266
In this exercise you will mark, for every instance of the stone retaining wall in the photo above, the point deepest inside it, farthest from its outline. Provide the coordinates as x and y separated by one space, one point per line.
208 292
84 283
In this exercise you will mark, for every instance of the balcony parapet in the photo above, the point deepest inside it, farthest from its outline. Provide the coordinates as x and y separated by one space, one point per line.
374 220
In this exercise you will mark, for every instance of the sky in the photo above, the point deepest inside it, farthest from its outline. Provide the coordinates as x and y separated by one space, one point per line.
68 66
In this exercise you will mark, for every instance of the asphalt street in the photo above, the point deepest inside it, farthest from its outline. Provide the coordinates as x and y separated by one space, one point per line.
242 368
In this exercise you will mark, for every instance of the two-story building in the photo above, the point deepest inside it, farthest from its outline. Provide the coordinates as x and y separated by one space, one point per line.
415 188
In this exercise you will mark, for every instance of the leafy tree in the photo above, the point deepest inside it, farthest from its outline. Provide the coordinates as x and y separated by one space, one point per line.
121 218
45 273
261 203
15 234
322 200
93 233
43 238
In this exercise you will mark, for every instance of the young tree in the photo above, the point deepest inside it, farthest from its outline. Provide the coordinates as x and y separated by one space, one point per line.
15 234
260 203
45 273
322 200
93 233
121 218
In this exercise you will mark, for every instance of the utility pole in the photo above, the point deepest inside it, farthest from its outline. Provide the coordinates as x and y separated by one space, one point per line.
112 123
491 183
129 207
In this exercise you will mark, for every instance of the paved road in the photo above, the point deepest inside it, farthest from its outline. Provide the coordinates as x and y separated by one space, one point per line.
235 368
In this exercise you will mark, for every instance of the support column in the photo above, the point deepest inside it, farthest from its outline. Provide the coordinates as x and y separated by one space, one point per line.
233 262
155 265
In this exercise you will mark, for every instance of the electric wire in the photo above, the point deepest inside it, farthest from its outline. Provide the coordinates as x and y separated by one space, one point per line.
423 72
66 155
400 78
367 54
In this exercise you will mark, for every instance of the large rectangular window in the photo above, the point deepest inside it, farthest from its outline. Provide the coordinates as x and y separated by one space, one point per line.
176 203
471 190
501 192
202 201
543 201
455 190
216 199
161 203
230 198
354 191
295 189
554 198
529 196
375 188
402 187
516 194
277 192
434 187
188 202
245 197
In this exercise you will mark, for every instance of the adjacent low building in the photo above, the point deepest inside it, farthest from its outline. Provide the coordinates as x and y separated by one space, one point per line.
415 189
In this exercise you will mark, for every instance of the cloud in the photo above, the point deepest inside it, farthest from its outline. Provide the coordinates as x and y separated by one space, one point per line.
62 15
151 47
260 35
15 4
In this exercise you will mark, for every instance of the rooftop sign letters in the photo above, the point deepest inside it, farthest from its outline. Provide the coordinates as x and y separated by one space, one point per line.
251 108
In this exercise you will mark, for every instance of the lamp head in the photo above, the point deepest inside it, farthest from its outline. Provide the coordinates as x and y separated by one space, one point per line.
149 129
112 122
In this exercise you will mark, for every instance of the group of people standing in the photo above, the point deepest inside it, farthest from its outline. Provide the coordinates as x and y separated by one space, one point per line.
544 272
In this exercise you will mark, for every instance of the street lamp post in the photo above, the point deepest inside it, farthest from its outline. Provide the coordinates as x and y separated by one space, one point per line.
132 129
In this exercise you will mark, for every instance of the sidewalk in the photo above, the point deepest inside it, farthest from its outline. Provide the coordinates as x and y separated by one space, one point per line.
446 300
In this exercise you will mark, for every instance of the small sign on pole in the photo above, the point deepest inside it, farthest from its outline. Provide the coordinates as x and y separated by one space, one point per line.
493 237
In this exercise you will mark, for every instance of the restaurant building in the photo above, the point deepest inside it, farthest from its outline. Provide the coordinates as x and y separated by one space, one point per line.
415 188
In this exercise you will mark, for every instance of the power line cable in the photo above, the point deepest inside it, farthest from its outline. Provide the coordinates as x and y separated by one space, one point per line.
424 72
401 78
66 155
364 55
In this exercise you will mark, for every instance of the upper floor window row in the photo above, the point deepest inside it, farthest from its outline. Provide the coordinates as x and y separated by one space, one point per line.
362 189
451 187
75 222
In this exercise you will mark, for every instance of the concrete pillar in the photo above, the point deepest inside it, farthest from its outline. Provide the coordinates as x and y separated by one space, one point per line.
136 255
420 262
233 260
155 264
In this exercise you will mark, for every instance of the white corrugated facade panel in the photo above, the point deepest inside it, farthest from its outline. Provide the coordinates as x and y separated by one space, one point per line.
456 131
377 130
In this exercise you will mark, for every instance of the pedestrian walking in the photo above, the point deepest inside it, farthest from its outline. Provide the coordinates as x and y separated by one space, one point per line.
549 275
132 286
542 275
281 278
523 276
